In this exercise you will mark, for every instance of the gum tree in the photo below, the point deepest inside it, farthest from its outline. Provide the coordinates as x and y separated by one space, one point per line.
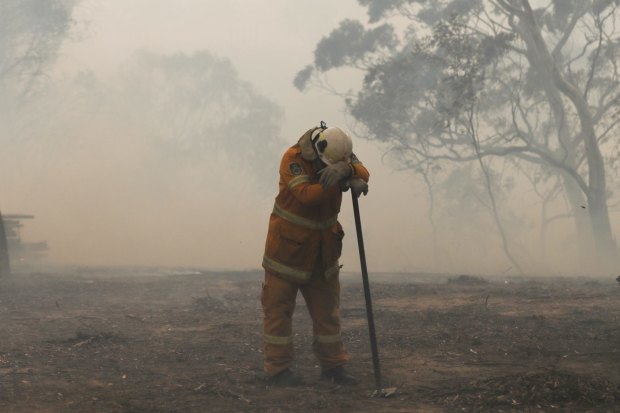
196 110
534 84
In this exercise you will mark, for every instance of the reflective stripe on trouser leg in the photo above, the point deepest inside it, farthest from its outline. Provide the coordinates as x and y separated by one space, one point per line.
323 301
278 300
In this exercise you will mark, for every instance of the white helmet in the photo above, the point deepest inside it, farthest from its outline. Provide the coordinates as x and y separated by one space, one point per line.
332 144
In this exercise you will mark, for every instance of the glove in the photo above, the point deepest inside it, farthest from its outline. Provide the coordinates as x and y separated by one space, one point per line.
358 187
334 173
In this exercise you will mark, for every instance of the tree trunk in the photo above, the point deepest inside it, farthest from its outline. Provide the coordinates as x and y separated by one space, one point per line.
5 267
583 225
606 249
431 214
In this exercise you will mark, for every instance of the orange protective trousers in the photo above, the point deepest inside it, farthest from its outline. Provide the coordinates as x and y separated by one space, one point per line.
322 298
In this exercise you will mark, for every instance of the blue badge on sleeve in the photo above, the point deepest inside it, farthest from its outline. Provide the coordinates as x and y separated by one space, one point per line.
295 168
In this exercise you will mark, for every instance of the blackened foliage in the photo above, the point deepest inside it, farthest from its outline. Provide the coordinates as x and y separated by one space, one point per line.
350 42
302 77
430 80
377 9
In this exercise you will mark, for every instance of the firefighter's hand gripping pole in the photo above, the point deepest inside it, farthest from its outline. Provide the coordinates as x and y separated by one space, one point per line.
369 314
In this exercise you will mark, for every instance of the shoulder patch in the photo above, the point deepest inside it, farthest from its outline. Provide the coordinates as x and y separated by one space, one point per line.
295 168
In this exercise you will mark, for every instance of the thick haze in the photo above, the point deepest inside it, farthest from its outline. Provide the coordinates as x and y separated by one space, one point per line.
96 165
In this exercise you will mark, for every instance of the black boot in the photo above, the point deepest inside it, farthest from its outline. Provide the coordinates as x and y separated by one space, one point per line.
339 375
284 378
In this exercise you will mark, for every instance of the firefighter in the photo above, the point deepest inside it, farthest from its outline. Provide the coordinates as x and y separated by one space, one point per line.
304 243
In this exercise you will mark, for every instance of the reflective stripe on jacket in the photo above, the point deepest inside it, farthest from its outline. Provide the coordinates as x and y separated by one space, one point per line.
303 226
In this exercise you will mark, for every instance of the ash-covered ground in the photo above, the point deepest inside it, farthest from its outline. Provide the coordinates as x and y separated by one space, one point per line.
127 341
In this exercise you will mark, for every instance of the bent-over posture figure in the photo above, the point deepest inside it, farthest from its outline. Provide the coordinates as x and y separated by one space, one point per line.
304 243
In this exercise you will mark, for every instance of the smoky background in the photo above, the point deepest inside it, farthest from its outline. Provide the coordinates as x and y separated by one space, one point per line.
152 136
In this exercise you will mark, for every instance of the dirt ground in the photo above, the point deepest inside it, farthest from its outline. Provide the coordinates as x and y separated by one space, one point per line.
137 341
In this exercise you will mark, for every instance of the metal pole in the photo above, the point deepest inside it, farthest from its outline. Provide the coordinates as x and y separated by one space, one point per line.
369 314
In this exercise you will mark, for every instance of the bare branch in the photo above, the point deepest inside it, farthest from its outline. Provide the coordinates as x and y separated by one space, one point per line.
597 53
557 50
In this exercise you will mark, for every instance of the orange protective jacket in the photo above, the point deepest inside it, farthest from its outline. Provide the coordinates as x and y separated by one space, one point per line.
303 227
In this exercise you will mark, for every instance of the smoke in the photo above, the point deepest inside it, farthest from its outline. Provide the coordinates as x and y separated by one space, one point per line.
155 137
158 165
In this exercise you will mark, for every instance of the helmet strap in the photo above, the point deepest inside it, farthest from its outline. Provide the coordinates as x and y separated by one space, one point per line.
317 132
318 146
